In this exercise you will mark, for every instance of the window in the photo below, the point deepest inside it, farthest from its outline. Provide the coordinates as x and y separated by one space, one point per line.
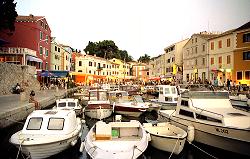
104 66
186 113
239 75
90 63
58 68
55 48
247 75
55 67
187 52
80 63
212 61
203 47
228 43
196 62
47 52
196 40
47 39
41 35
212 46
56 124
228 59
192 41
184 103
246 55
203 61
66 57
94 64
220 60
196 49
173 59
220 44
41 50
46 26
89 71
46 66
71 104
246 37
79 70
34 124
58 49
203 117
41 23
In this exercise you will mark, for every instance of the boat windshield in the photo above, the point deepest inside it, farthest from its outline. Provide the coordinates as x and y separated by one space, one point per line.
35 123
56 124
71 104
62 104
99 96
206 95
138 99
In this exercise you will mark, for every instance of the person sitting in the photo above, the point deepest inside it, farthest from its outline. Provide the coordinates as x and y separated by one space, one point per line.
17 89
32 100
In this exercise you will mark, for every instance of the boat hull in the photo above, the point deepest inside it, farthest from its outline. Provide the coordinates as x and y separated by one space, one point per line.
230 139
40 151
98 113
167 144
129 111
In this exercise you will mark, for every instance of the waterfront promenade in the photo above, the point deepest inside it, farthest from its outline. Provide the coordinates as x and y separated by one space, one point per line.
16 107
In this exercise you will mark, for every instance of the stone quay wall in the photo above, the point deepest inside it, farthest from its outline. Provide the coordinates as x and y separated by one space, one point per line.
11 74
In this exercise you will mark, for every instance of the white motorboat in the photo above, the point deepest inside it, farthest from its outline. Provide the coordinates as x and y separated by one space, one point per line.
240 101
215 121
166 137
69 103
47 132
116 140
98 106
129 107
168 96
152 106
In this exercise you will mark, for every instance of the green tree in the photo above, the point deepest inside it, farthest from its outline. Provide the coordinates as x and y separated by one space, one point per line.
8 15
145 58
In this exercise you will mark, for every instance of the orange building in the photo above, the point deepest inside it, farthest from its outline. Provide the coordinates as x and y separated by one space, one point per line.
241 72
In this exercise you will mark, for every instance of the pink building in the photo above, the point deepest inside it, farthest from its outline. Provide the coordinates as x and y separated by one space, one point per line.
31 32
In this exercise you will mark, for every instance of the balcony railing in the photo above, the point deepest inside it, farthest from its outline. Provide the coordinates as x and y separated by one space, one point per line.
17 50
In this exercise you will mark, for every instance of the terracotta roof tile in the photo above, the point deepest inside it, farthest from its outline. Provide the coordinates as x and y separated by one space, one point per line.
28 18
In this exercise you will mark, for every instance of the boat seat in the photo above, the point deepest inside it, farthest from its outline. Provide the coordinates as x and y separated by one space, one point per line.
103 131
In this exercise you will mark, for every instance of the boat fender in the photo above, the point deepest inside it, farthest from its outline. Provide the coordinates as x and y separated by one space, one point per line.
83 121
190 132
81 147
149 137
80 134
73 142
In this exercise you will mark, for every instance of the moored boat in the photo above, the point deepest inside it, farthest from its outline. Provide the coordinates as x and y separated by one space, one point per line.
166 137
129 107
98 106
116 140
47 132
168 96
69 103
215 121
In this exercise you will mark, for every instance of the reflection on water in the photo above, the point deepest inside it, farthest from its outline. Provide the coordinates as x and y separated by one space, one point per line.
8 151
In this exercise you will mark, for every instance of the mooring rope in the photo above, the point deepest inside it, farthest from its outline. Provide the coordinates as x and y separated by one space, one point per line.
174 148
19 149
135 147
202 150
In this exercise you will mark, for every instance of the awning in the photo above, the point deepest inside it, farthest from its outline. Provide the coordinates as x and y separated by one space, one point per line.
46 74
60 73
32 58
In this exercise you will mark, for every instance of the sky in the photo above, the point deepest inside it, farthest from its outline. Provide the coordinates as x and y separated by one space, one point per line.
138 26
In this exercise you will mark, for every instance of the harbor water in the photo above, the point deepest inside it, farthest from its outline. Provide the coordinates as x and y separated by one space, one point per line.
191 151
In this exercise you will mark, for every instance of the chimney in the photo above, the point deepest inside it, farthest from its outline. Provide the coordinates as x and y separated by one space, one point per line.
31 15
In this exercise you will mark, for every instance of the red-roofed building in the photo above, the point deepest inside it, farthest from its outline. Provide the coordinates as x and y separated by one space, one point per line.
31 32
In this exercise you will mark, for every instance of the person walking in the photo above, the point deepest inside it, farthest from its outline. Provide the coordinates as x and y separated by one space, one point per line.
228 84
32 100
